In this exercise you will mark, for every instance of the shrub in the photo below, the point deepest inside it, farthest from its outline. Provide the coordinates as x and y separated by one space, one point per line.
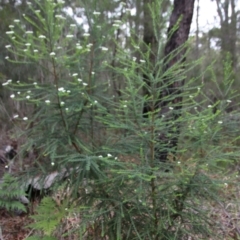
116 186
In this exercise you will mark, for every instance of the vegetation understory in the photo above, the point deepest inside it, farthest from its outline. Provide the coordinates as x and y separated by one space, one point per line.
223 215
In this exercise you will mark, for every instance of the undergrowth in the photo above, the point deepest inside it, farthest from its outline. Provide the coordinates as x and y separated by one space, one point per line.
78 122
11 194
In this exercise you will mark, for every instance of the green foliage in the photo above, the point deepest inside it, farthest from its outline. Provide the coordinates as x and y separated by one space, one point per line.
11 193
80 122
48 216
41 238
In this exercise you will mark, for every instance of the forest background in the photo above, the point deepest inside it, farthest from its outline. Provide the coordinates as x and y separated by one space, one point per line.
139 142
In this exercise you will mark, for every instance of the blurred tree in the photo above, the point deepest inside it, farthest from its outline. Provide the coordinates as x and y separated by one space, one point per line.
197 29
154 26
9 10
228 27
13 12
178 32
222 46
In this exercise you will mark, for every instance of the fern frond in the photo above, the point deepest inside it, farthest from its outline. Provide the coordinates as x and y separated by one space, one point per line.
11 193
48 216
41 238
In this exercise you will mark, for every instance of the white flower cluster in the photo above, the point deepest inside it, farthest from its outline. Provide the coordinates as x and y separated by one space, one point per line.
60 16
96 13
41 36
10 32
86 34
117 23
7 82
108 155
78 46
104 48
63 90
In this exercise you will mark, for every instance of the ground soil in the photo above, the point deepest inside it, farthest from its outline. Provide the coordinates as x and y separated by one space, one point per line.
13 227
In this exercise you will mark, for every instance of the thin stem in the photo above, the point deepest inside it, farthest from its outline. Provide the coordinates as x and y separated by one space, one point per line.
58 97
90 91
153 185
59 104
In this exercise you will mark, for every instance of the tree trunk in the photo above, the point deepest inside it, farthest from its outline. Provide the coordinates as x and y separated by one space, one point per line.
182 18
160 8
197 30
